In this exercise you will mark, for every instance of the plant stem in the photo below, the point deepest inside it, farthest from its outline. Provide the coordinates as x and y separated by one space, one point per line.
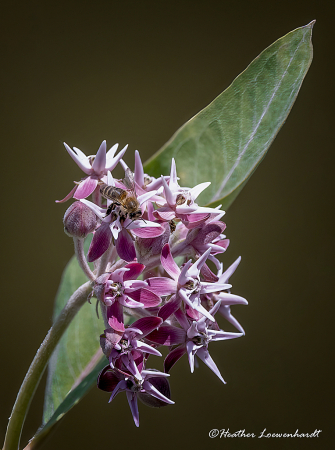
80 254
37 367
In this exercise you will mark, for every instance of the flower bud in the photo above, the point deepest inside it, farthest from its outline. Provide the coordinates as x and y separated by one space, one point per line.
79 220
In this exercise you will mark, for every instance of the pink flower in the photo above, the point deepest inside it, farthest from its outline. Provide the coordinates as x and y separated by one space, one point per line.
124 348
112 227
185 283
143 182
226 299
151 387
122 289
95 167
180 202
193 338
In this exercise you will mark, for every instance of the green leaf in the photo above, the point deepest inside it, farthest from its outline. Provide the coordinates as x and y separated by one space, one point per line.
226 141
78 345
72 398
77 360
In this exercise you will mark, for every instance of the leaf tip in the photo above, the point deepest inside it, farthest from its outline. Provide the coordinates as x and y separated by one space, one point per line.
311 24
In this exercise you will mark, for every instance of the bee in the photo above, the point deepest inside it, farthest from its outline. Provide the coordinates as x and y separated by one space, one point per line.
173 226
126 200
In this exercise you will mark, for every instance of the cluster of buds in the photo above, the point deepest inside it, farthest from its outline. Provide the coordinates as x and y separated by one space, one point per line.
141 228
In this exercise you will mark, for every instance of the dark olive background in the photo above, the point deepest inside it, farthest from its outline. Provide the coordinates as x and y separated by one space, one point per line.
133 72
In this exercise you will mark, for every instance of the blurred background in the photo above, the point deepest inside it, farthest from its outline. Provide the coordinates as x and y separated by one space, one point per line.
133 72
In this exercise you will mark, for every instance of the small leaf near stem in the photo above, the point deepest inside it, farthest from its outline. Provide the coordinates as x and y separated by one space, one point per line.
37 367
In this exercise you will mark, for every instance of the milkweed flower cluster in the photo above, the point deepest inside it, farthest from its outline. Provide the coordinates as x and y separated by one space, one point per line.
151 248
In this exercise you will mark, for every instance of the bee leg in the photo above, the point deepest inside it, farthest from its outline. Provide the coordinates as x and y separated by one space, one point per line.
110 209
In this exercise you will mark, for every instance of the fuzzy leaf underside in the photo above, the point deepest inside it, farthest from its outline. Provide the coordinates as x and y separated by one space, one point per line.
226 141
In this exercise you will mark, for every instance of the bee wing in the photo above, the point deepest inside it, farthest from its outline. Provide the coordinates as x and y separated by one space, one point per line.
129 181
113 193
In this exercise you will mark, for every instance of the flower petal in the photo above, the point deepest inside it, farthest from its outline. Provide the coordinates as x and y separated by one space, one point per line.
195 268
182 319
194 220
138 171
161 285
173 357
85 188
111 152
112 162
208 274
190 353
168 193
146 348
206 358
183 277
146 196
213 287
108 379
169 308
79 158
231 299
132 400
100 212
147 230
162 385
165 213
228 273
135 269
225 311
100 242
147 324
125 246
99 162
69 195
206 210
169 264
167 335
173 183
146 297
196 190
150 389
115 317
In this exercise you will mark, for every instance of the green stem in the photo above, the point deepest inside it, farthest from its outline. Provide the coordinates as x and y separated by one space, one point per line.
37 367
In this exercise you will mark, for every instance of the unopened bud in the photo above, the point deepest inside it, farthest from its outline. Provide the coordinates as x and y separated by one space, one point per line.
79 220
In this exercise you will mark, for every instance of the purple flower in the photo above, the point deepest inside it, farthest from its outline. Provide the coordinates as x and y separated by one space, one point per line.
143 182
96 167
199 334
226 299
122 289
181 201
193 338
151 387
185 283
112 227
128 345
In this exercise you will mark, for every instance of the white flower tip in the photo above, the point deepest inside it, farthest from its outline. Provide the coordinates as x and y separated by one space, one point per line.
68 148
